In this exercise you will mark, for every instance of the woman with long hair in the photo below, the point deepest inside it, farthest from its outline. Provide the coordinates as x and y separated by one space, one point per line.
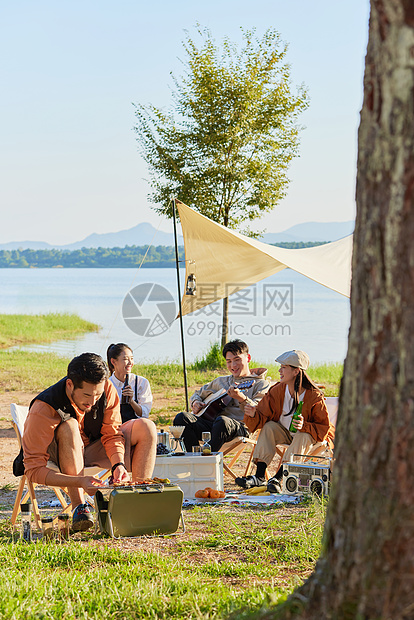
134 391
274 414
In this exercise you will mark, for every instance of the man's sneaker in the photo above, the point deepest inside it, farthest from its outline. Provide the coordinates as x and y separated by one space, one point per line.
248 482
273 485
82 519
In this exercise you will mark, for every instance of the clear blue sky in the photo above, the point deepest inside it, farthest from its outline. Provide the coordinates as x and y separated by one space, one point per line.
71 69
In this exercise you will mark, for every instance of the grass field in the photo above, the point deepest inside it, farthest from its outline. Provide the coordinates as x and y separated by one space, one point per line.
231 561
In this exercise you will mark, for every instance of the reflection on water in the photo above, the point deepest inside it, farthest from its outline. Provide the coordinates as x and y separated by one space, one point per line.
285 311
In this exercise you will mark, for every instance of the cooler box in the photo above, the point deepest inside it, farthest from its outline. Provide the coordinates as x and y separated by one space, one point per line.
192 473
139 509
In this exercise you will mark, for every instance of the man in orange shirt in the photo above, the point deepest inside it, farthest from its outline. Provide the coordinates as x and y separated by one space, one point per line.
76 423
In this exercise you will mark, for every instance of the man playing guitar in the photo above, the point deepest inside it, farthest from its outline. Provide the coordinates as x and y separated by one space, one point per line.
240 387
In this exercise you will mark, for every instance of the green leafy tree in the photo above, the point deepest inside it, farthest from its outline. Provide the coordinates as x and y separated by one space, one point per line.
225 144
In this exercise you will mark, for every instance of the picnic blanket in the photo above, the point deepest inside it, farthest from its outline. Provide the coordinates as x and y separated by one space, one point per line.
247 501
235 499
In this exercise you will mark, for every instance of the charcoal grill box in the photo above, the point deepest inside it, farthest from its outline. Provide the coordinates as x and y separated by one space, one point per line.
192 473
137 511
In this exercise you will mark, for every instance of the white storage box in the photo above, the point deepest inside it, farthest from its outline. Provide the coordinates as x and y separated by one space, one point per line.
192 473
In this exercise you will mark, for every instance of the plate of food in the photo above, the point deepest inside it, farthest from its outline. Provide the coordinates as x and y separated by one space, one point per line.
209 495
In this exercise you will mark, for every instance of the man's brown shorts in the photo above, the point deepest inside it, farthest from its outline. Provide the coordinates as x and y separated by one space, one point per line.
94 454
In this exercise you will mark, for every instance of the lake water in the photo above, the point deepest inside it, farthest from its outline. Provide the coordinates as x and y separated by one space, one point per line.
285 311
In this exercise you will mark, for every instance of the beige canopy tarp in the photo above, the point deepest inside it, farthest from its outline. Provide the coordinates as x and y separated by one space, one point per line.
224 261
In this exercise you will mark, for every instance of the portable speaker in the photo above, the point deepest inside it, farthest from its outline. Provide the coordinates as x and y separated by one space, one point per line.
304 478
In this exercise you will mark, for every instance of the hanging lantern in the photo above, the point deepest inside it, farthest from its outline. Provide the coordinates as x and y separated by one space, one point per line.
191 285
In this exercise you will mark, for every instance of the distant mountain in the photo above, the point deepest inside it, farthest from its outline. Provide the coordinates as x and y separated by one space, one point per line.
141 234
27 245
312 231
146 234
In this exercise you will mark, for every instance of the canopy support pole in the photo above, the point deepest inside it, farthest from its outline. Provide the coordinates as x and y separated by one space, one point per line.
179 305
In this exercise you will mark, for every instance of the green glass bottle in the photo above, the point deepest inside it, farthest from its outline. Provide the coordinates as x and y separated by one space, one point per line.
295 416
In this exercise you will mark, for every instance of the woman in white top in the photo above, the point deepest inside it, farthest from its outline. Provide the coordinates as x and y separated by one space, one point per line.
134 391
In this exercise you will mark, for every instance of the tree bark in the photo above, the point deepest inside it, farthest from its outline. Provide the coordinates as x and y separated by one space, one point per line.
366 570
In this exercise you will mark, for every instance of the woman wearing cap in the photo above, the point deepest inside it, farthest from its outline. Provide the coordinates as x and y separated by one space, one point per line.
135 389
274 414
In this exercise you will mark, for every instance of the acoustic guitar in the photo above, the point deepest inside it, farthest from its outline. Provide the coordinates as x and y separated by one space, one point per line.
218 401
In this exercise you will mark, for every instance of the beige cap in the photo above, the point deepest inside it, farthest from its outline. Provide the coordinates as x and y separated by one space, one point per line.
298 359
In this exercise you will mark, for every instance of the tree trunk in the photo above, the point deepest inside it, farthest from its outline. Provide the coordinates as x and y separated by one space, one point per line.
225 322
366 570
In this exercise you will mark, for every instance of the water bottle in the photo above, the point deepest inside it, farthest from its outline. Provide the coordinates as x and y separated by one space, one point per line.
125 399
47 528
26 510
295 416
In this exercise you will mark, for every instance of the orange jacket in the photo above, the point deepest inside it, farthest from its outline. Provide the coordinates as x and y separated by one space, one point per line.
314 412
42 421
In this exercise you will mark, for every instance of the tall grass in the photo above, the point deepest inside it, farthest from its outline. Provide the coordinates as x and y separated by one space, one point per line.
329 375
35 328
164 376
212 359
328 372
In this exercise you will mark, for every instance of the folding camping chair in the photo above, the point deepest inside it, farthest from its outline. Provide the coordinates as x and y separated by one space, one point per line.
19 414
234 449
